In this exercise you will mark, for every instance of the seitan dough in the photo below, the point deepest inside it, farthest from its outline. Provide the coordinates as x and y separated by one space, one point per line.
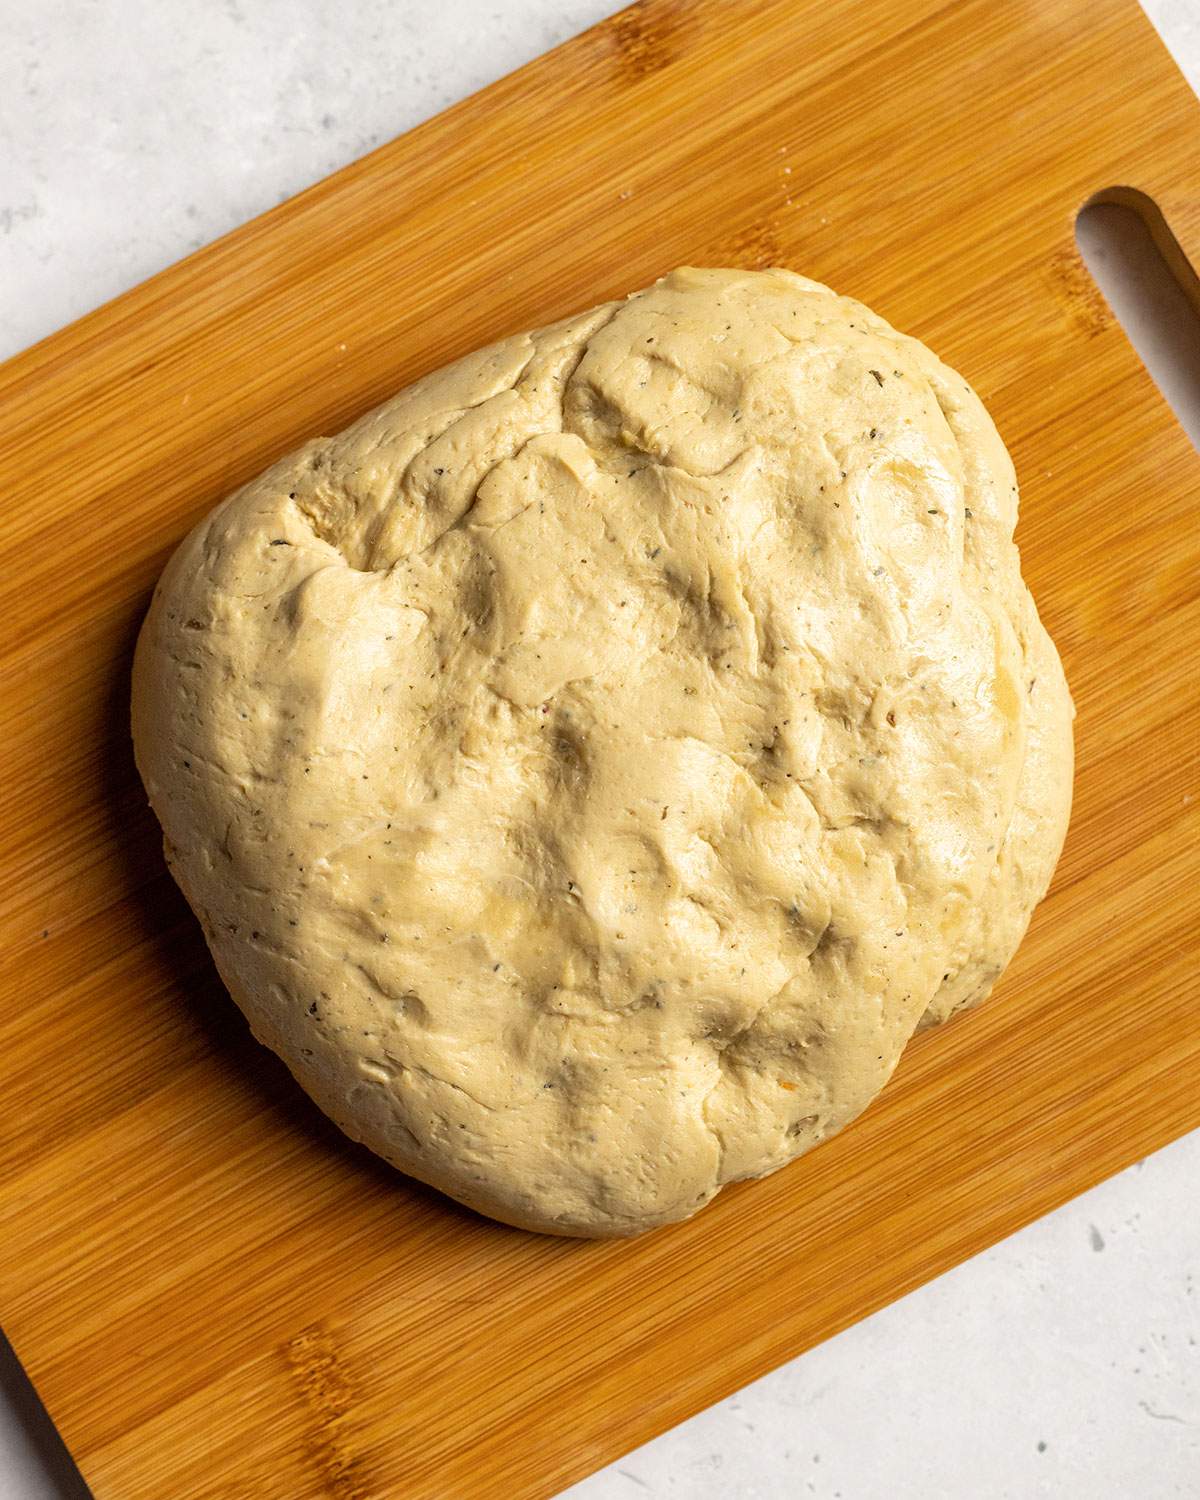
591 766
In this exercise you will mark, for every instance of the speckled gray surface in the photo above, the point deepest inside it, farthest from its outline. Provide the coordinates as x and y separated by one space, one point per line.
1064 1362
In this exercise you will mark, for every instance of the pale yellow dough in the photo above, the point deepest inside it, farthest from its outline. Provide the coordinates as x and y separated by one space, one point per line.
591 766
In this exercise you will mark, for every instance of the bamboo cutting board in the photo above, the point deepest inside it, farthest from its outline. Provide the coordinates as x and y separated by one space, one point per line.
216 1295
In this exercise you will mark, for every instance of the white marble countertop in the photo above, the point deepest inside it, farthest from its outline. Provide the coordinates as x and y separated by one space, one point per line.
1064 1362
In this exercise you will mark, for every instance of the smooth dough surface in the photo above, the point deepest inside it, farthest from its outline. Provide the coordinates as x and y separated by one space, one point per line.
591 766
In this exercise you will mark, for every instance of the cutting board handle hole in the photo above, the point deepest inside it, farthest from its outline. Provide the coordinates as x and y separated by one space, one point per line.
1152 288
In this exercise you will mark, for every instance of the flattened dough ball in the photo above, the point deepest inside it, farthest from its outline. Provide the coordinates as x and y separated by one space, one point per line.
591 766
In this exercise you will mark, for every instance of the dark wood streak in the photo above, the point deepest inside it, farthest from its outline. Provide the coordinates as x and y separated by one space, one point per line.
753 248
322 1381
647 36
1082 298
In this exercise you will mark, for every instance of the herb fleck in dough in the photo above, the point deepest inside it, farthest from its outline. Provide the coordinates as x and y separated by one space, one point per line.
591 766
